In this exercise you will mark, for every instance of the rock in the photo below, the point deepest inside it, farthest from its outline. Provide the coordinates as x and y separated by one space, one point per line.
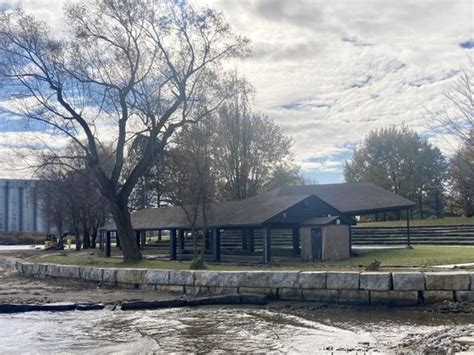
347 280
206 278
181 277
153 304
378 281
394 298
109 275
408 281
466 340
437 296
447 280
290 294
312 279
464 296
284 279
70 271
355 297
260 279
316 295
157 277
90 273
131 276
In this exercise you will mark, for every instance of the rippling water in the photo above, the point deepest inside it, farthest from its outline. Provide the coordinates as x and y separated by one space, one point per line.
209 329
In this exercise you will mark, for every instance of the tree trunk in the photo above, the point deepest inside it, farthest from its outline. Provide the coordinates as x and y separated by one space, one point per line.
420 203
94 238
86 240
128 241
77 238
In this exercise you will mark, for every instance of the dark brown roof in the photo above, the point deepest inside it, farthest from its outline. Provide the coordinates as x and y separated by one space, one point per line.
347 199
352 198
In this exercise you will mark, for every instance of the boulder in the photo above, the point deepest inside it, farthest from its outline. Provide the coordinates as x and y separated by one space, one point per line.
345 280
181 277
378 281
157 277
408 281
131 276
447 280
312 279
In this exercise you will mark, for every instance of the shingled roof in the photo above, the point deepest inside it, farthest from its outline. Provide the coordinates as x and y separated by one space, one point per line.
346 199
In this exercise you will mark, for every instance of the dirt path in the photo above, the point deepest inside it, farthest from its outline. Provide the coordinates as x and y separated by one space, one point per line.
15 288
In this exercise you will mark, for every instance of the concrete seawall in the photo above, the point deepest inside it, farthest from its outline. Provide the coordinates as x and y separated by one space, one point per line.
344 287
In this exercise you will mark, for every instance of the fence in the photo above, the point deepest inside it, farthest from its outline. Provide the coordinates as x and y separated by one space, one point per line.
438 234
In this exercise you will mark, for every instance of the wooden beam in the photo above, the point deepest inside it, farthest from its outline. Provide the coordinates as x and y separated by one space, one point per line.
216 244
245 239
267 244
181 239
172 244
408 228
251 241
296 241
107 246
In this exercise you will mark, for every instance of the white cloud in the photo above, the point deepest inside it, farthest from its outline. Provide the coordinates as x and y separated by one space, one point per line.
328 72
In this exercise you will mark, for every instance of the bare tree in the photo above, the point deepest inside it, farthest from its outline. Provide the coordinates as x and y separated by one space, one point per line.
122 68
193 179
252 153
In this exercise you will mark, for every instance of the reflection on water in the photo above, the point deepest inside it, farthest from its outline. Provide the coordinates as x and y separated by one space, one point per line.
209 329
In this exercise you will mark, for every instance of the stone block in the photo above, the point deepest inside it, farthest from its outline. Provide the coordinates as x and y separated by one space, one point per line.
53 270
148 287
290 294
408 281
70 271
109 275
318 295
195 290
206 278
288 279
260 279
91 273
437 296
464 296
28 269
394 298
170 289
131 276
356 297
344 280
447 280
223 290
230 278
42 269
157 277
19 266
472 281
182 277
312 279
272 292
377 281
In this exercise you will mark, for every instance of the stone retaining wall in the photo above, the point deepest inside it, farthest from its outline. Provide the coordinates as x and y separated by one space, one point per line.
364 288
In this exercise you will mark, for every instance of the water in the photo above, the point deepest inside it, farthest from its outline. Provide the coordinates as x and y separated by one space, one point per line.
205 329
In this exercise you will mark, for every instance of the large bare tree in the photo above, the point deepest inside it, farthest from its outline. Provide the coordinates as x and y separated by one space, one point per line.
119 70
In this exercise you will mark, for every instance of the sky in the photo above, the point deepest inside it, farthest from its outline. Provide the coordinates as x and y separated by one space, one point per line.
328 72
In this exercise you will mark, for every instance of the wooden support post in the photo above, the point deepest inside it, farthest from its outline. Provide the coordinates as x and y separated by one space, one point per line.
137 237
181 239
172 244
216 244
251 241
267 244
142 239
107 246
245 239
408 228
159 235
117 241
350 240
101 239
296 241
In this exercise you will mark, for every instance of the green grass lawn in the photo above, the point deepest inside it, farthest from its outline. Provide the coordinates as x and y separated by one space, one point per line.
423 257
421 222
